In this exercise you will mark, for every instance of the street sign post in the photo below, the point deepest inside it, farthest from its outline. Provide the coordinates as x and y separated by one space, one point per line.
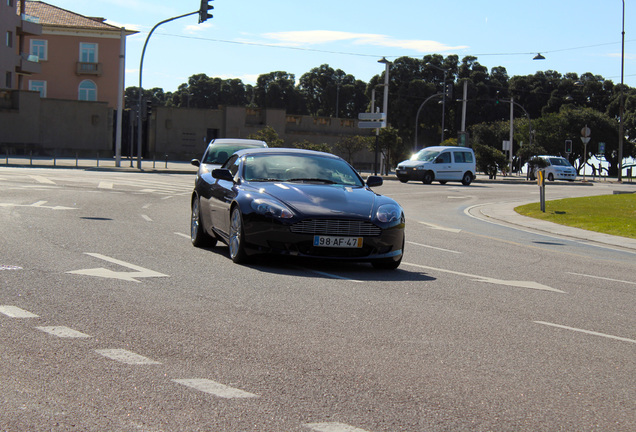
370 116
371 124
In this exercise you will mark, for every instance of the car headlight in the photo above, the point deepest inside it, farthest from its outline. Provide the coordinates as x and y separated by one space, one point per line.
271 208
420 167
388 213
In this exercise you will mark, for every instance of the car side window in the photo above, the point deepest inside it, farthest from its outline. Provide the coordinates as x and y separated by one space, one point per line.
444 158
232 164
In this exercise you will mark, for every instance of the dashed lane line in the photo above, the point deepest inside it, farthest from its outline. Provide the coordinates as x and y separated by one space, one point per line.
333 427
433 247
63 332
42 180
125 356
215 388
16 312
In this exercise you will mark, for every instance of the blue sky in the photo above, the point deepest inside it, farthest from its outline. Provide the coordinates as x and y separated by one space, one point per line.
247 38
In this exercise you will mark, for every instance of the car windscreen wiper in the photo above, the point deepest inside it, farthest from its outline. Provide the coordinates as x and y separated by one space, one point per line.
312 180
264 180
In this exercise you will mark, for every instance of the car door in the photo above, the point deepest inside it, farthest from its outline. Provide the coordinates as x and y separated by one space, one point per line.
222 193
443 166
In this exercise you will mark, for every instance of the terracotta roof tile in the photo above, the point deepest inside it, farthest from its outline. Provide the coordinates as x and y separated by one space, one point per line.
53 15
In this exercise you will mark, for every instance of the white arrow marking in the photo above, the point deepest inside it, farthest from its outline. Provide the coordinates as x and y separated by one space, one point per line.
139 272
39 204
518 284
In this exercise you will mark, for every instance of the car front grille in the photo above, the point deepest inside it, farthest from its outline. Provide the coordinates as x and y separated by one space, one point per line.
337 227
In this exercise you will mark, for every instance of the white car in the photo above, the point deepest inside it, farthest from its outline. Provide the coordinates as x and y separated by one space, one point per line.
440 163
557 168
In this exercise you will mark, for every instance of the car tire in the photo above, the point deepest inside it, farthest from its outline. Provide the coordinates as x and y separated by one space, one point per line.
428 177
467 178
551 177
403 180
442 182
198 236
388 263
236 241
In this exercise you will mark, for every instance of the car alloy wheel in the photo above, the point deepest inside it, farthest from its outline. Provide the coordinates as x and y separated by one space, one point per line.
428 177
467 179
198 236
237 250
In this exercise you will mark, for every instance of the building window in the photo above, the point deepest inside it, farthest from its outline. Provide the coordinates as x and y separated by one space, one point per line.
88 52
38 86
8 80
87 91
10 39
10 3
39 48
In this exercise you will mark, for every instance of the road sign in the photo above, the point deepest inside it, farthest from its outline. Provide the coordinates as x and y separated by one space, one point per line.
586 132
371 124
601 148
370 116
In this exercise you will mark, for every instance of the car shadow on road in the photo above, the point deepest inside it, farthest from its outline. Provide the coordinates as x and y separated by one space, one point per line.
328 269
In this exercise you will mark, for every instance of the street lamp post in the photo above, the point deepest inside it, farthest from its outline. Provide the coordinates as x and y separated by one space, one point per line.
621 109
443 95
417 116
385 108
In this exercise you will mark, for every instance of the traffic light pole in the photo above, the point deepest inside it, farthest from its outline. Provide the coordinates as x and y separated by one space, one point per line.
141 92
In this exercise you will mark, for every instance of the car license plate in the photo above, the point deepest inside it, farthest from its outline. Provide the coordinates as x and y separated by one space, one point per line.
337 242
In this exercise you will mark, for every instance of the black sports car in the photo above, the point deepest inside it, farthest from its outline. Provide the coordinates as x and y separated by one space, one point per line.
296 202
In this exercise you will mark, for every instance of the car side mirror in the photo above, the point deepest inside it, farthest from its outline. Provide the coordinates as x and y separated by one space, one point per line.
222 174
374 181
195 162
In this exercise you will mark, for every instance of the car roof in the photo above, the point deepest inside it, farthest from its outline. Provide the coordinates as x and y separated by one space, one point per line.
241 141
440 148
285 150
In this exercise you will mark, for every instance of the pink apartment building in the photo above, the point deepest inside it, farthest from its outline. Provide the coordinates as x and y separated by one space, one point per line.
79 55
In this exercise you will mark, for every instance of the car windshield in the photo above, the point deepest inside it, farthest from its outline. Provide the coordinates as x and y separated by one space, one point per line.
559 162
218 154
425 155
302 168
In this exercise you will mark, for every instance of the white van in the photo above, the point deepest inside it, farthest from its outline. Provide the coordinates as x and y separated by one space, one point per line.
440 163
556 168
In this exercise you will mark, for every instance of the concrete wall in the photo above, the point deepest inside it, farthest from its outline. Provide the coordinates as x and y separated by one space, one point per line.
49 127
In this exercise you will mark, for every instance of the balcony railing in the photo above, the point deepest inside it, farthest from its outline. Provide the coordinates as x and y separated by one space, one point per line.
30 25
84 68
29 64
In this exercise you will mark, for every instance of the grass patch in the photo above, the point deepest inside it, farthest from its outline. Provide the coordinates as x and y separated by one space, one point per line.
609 214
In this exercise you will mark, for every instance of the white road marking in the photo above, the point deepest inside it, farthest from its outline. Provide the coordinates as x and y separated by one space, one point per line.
16 312
333 427
146 217
439 227
124 356
183 235
215 388
333 276
586 331
105 185
41 179
146 206
63 332
603 278
433 247
139 272
517 284
39 204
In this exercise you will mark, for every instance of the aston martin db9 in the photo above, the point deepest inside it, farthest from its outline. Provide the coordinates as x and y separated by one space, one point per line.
296 202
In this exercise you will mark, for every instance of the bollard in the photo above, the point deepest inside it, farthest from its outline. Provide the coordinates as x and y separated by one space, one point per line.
31 157
97 158
166 160
54 160
154 160
76 160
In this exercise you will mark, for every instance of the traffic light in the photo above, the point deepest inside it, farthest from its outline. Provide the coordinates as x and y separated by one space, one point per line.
203 10
568 146
497 98
448 90
148 108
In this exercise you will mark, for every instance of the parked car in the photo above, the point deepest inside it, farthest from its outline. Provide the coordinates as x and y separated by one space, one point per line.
440 163
220 149
556 168
295 202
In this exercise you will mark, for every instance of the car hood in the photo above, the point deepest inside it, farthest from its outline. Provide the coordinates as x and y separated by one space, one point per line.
324 200
411 163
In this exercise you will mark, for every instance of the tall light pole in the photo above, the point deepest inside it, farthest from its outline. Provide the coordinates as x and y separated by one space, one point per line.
621 109
443 96
385 107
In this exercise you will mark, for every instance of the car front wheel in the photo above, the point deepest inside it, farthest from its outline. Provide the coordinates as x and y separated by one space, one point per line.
428 177
198 236
236 243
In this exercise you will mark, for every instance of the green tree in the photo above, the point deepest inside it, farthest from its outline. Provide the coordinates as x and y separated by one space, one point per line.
308 145
353 144
278 90
269 135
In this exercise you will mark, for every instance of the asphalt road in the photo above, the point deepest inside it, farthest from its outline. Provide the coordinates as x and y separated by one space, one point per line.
111 320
